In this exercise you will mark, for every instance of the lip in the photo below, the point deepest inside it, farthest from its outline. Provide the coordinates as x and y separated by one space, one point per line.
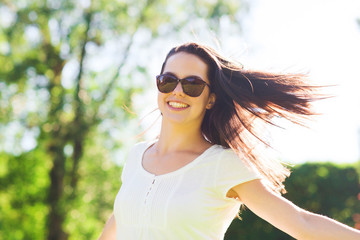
176 109
171 100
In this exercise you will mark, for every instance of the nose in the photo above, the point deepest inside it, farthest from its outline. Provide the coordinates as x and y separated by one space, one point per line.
178 89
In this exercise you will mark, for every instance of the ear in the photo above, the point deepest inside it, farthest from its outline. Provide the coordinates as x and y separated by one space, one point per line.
211 101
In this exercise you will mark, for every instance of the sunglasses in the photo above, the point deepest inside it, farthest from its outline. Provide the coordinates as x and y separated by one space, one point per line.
192 86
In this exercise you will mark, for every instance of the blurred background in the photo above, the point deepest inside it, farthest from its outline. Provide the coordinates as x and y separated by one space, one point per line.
77 86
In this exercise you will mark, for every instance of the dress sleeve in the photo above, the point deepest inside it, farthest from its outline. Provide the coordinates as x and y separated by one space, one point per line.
232 171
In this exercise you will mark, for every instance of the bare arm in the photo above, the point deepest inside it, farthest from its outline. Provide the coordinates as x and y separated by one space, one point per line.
109 232
286 216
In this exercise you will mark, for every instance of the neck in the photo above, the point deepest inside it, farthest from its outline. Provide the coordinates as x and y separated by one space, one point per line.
180 137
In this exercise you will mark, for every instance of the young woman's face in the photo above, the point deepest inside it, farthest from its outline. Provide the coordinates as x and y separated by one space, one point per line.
176 106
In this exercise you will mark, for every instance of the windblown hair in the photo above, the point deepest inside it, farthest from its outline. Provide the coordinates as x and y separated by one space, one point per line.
245 98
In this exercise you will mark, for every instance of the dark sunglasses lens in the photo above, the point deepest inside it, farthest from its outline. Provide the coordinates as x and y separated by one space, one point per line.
193 86
166 83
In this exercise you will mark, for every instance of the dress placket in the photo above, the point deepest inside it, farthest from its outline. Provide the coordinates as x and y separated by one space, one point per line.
148 200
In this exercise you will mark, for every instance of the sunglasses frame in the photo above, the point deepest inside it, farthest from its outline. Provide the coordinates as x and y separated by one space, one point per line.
178 80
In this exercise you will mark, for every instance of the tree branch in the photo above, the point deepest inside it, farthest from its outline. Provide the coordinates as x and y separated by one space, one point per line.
140 20
79 127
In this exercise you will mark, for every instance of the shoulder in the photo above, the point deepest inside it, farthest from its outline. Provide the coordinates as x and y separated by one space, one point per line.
136 152
234 165
228 156
140 147
226 160
221 155
134 158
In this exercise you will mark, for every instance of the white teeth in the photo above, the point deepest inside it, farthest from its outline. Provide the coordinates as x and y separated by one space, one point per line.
178 105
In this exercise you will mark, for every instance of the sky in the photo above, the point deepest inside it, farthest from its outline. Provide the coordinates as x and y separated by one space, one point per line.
320 38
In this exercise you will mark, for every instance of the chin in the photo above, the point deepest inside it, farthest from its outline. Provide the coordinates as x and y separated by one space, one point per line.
174 119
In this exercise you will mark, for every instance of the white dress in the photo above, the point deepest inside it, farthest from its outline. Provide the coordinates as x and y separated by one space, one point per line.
189 203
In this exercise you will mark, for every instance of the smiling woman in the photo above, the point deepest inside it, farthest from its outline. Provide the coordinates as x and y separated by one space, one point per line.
187 102
190 182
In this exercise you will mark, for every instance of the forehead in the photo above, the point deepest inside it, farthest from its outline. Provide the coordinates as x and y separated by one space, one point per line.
184 64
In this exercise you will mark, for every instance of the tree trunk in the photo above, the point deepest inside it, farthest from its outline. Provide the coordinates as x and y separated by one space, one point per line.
56 189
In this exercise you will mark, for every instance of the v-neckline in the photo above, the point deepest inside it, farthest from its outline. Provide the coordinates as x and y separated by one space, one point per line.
176 171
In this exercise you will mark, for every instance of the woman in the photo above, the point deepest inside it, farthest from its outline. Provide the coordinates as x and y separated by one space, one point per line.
191 181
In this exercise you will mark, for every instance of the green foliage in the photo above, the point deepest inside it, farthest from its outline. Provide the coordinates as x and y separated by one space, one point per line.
326 189
98 185
24 182
69 70
23 195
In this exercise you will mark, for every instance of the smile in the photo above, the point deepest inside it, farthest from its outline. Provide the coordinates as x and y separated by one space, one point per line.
178 105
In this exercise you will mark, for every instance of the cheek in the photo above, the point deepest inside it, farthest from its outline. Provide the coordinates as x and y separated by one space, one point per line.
200 105
160 100
206 100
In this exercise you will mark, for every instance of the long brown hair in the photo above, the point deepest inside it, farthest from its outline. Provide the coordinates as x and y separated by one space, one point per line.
245 98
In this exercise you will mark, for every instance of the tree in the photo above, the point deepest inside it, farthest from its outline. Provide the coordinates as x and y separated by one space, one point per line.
322 188
66 77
